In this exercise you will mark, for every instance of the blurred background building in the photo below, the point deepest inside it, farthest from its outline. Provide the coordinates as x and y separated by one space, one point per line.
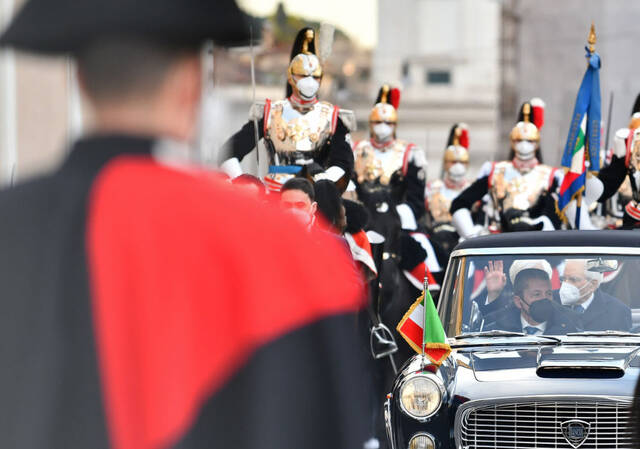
472 61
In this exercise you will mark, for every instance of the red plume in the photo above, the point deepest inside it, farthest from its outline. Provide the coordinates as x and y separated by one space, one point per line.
464 138
394 98
537 105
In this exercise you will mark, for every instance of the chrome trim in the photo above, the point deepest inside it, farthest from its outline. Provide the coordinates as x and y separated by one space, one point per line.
470 405
435 380
422 434
622 251
387 421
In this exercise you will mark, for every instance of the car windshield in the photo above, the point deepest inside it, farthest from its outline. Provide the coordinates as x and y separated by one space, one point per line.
533 294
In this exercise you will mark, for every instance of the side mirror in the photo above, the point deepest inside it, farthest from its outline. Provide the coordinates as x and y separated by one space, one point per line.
382 342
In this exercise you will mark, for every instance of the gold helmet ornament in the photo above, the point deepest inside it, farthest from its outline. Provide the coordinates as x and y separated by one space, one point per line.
305 71
525 136
456 155
384 115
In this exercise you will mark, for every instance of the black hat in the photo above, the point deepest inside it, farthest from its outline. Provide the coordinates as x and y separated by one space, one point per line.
66 26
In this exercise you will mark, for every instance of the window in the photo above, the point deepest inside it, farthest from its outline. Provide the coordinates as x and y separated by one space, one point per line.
438 77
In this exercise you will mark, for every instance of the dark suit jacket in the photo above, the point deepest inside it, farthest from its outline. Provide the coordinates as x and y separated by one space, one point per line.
502 314
606 313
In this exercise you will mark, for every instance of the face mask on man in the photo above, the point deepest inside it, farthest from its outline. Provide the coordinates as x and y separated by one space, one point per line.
525 149
570 294
302 216
457 171
307 87
382 131
541 310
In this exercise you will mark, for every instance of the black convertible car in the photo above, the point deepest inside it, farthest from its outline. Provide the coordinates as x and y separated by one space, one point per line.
545 347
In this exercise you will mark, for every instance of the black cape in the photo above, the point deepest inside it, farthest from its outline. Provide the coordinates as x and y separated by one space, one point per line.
145 307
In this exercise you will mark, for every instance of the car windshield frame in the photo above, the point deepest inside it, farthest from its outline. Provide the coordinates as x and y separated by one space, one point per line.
453 292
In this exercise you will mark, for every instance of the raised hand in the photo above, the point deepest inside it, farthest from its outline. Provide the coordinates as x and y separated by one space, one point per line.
495 279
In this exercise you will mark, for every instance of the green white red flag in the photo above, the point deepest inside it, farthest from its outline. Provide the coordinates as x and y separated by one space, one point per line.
421 326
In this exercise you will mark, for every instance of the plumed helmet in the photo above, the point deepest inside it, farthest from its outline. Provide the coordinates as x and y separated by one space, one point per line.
524 129
303 61
458 144
386 106
634 122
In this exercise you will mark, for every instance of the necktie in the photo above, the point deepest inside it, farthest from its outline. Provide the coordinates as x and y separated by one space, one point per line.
578 309
530 330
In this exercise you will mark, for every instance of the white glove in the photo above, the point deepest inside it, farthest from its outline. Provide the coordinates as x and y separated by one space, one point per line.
232 167
332 174
620 142
464 224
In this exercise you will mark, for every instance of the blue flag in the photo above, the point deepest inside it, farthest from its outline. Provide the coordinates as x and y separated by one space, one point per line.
584 134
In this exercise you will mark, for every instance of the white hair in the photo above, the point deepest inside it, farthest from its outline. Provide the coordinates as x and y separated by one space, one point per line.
590 275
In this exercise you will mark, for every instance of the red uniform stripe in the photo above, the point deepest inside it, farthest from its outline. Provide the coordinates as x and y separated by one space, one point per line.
182 297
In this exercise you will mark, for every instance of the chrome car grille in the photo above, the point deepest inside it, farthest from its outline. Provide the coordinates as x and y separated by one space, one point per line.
602 424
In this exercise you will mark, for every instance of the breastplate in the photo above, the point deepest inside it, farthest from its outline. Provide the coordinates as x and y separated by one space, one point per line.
439 197
378 164
298 137
513 189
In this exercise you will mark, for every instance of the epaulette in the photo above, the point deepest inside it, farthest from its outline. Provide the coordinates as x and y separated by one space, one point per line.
257 110
348 117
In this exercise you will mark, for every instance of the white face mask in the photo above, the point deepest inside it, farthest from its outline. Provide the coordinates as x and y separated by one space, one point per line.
308 87
570 294
382 132
302 216
525 150
457 171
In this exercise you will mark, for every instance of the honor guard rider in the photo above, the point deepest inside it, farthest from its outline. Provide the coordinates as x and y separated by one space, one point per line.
299 131
622 176
384 161
519 189
139 310
441 192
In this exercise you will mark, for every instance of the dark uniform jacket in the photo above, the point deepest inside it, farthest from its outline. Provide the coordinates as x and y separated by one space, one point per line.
146 308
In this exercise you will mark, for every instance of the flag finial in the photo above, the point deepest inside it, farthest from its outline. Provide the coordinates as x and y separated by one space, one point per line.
591 40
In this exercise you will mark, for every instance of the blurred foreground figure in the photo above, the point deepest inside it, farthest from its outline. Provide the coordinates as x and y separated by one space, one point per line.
150 307
299 131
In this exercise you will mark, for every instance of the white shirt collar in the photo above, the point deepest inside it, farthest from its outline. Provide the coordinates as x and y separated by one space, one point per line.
585 305
541 327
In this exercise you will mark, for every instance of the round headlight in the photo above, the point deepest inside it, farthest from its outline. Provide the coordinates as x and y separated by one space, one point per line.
421 395
422 441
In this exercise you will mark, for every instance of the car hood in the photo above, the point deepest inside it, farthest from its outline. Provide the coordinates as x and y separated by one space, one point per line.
551 362
539 370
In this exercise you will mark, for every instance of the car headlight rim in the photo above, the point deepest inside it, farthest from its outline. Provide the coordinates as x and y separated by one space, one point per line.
422 435
421 376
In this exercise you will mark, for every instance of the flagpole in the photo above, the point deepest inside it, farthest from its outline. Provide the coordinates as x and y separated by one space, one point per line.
424 301
591 40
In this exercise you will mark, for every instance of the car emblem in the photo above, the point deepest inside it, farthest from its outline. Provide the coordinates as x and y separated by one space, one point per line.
575 432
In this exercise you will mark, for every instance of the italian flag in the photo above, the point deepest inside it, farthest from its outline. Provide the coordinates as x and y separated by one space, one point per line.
574 179
421 326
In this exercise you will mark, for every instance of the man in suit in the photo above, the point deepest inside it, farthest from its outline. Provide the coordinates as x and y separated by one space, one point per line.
580 291
531 309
